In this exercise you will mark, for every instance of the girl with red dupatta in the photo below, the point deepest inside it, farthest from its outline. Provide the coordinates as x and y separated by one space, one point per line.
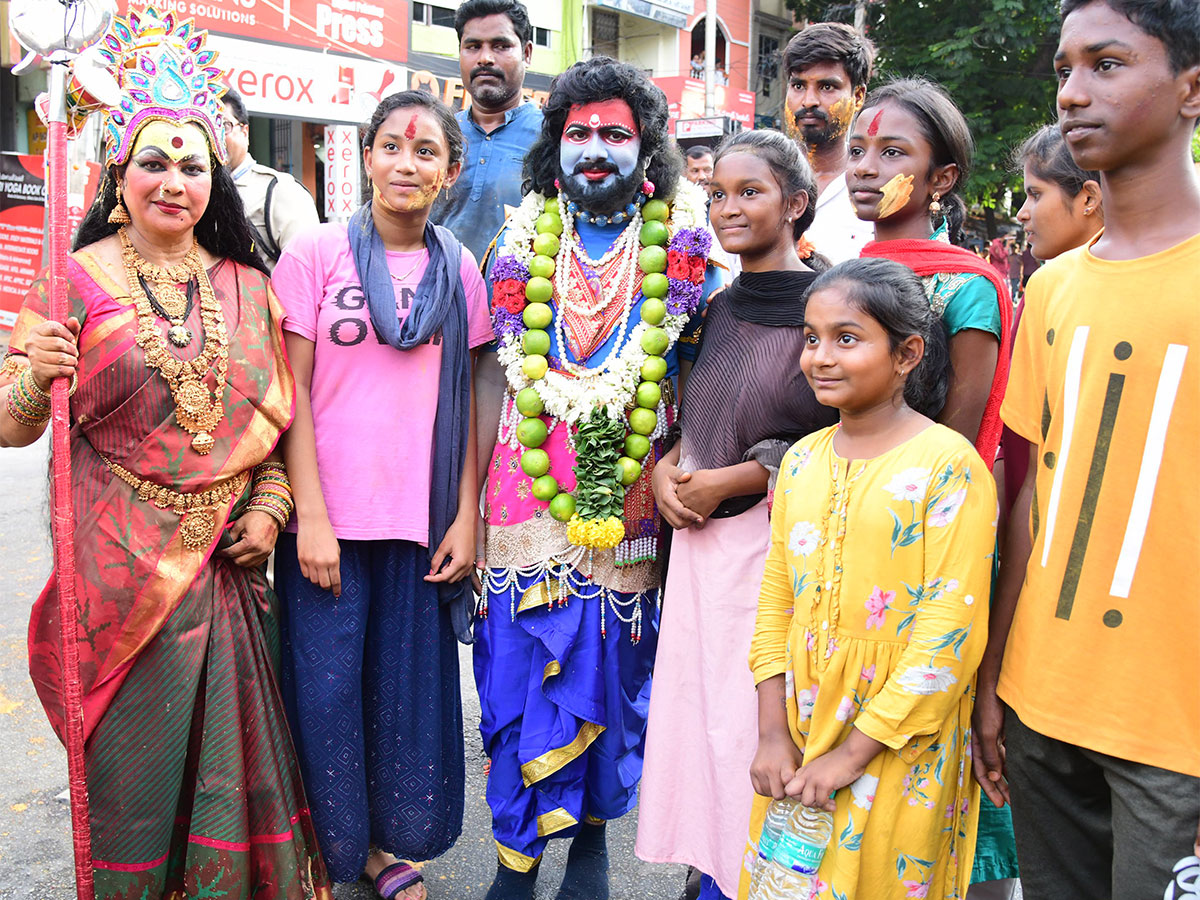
910 152
181 391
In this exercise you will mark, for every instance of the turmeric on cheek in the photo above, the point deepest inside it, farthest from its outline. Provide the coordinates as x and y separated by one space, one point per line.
896 194
841 113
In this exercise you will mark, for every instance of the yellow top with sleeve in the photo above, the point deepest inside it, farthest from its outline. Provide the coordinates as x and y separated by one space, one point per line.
874 607
1104 650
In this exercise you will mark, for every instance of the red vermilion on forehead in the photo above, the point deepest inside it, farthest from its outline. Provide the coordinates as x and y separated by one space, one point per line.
411 131
177 142
873 128
614 112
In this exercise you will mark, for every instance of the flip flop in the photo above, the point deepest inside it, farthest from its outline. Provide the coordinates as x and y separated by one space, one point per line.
395 878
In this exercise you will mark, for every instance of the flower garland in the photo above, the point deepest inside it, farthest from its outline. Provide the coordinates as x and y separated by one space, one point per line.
672 246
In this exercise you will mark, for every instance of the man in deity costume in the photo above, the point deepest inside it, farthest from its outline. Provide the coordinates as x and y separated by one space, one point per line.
597 287
180 389
828 66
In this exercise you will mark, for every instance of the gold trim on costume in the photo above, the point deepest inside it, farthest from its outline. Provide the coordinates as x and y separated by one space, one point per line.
552 760
592 820
12 366
541 595
198 511
552 668
555 820
511 859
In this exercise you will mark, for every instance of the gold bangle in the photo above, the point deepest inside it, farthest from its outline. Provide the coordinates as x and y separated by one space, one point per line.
37 388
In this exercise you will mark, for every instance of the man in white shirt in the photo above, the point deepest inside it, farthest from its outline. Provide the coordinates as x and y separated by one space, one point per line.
278 207
828 66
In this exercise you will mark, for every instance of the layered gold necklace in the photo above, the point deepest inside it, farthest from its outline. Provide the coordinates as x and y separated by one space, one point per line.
197 408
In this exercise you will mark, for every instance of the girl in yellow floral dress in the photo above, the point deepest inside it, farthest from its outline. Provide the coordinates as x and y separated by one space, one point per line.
873 610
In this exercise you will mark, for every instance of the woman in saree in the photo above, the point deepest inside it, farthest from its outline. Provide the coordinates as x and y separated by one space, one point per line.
181 391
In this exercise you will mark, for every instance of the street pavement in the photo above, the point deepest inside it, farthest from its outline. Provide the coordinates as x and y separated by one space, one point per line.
35 838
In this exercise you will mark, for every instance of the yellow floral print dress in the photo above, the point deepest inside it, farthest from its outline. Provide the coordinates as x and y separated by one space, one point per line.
874 607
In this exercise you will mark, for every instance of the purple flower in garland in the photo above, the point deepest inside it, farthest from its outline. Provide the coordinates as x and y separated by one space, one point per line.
692 241
683 297
506 322
509 267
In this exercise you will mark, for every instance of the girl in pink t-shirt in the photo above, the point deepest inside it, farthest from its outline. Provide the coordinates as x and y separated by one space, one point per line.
382 318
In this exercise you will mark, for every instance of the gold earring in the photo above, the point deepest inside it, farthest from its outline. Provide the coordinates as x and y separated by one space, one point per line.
119 214
935 207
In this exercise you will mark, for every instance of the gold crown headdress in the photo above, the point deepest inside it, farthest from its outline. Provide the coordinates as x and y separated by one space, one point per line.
164 72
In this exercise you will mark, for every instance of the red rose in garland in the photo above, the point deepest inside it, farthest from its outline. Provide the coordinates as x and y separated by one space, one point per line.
509 294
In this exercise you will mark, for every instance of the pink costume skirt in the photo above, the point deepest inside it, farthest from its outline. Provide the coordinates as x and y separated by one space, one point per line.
703 722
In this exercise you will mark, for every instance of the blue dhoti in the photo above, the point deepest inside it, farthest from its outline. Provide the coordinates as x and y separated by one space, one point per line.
562 666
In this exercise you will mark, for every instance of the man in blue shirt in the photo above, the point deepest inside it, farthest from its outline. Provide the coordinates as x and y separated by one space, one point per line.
495 44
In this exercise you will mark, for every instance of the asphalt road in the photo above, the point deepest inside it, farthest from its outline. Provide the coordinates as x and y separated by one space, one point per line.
35 840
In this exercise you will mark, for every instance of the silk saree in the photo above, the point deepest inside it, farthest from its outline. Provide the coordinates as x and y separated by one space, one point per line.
192 777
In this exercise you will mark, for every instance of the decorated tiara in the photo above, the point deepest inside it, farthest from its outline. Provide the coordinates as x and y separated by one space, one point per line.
163 72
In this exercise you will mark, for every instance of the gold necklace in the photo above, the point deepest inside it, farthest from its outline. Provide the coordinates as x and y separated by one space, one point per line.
400 279
166 279
197 409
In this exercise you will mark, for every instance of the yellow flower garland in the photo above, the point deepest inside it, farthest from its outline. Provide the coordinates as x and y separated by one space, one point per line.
598 534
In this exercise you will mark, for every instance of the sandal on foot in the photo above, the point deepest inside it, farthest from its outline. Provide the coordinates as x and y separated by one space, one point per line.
396 878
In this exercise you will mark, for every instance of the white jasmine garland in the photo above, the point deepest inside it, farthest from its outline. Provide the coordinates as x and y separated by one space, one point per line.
571 398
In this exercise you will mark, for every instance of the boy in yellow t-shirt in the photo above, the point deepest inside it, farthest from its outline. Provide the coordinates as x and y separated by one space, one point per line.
1095 633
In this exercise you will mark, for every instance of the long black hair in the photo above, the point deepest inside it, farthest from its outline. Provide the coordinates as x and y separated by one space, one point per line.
944 128
593 81
222 230
891 294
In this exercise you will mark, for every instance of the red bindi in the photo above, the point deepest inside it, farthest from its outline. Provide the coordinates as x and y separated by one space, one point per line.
177 142
873 128
411 131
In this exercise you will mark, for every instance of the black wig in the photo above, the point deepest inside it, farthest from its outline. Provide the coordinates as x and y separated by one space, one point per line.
593 81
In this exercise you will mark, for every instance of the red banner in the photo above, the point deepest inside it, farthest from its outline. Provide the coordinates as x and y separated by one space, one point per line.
22 222
22 204
371 28
686 96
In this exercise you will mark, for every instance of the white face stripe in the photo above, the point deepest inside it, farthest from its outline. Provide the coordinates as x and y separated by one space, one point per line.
1071 383
1143 494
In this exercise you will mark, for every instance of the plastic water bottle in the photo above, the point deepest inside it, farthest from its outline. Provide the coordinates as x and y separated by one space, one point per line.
792 872
778 814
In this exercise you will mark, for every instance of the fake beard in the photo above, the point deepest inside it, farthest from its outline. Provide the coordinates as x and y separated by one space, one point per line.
606 196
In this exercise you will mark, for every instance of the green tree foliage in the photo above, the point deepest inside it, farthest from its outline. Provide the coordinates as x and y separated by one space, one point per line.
995 57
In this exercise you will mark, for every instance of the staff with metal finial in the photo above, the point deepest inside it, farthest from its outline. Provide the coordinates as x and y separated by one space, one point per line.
33 24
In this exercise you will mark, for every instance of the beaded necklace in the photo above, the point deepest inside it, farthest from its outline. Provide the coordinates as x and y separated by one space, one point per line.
625 251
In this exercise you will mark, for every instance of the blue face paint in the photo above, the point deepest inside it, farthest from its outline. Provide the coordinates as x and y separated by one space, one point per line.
600 147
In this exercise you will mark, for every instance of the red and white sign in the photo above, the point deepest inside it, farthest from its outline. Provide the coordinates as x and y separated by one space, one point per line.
686 99
302 84
372 28
342 167
22 221
22 208
698 128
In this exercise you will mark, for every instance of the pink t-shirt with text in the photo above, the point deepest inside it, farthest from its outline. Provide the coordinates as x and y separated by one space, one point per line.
373 406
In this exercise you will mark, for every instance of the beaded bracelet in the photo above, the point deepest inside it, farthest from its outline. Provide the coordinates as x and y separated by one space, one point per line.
27 403
271 492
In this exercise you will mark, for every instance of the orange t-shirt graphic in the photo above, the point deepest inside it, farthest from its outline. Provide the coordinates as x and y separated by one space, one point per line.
1104 650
